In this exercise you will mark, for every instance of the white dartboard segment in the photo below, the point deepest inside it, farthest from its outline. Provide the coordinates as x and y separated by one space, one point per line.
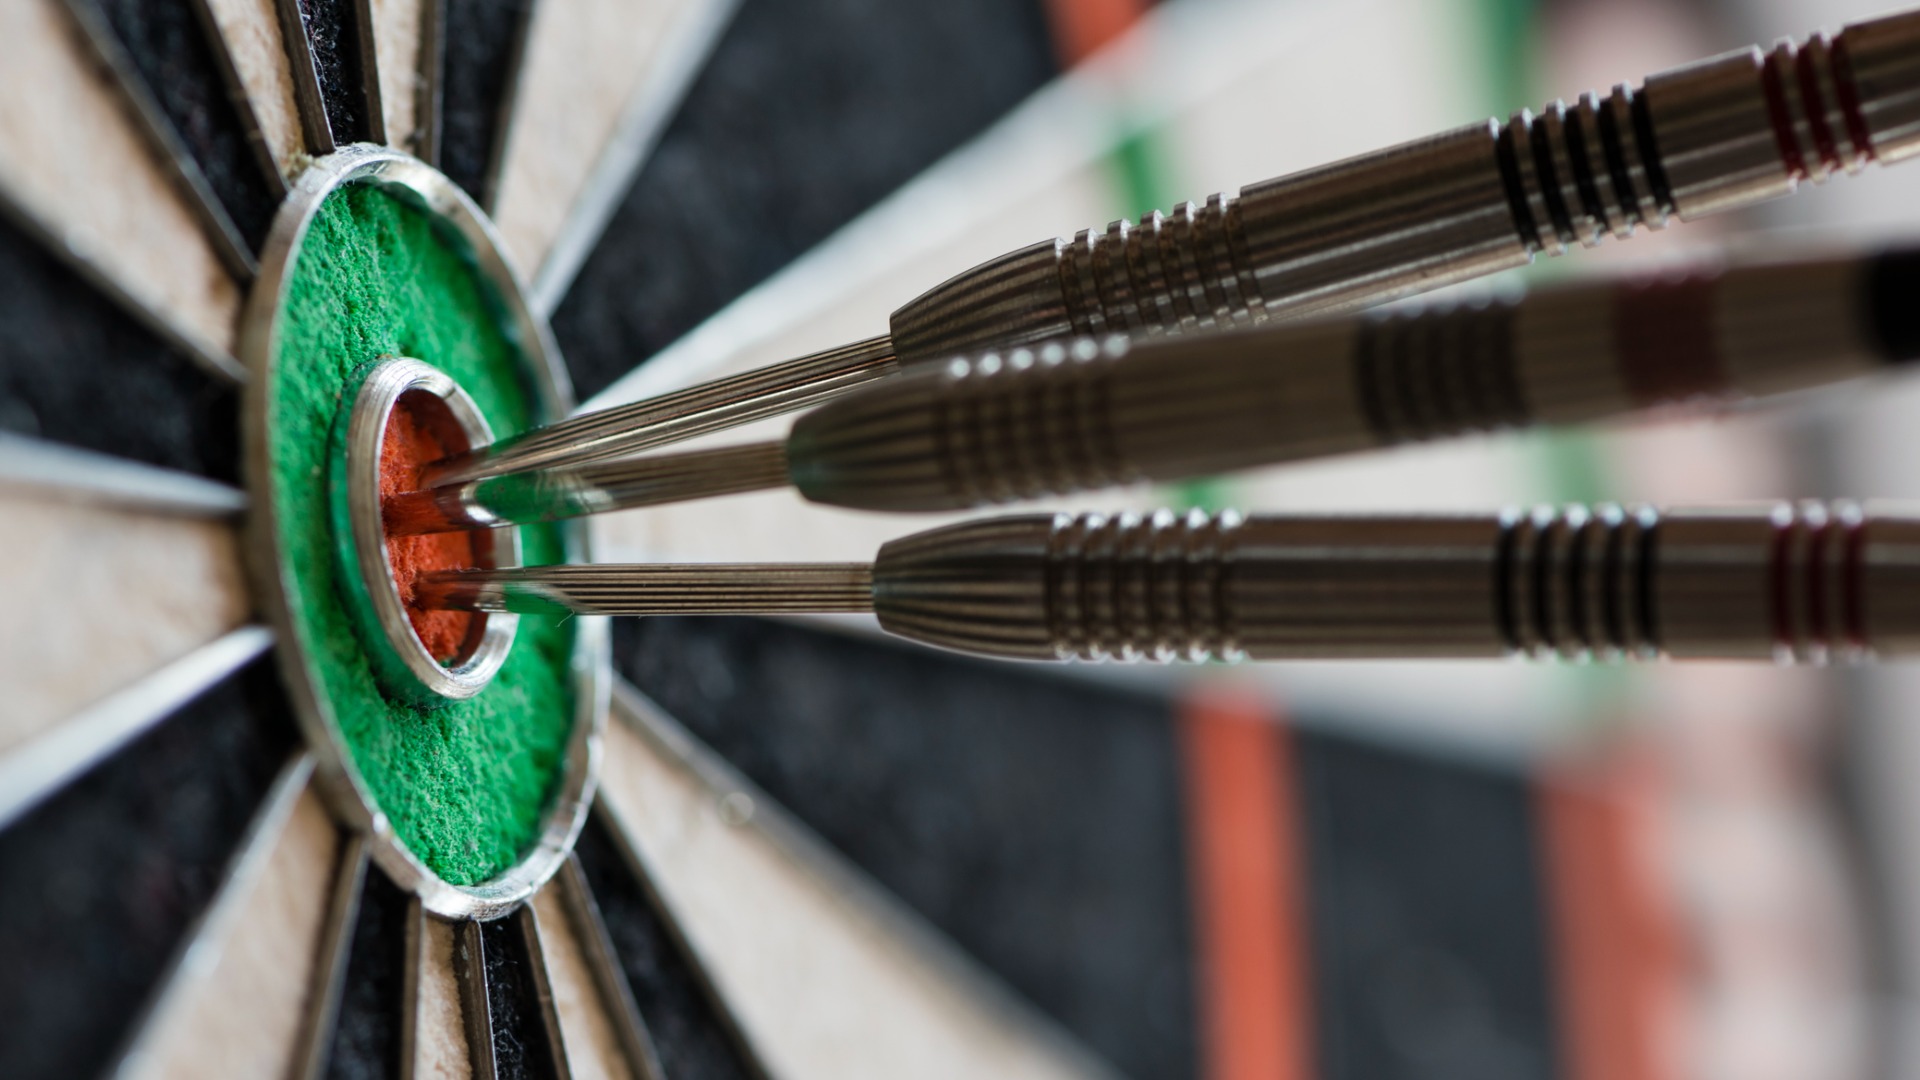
73 158
234 1006
587 1026
829 987
439 1031
257 56
400 31
100 596
598 81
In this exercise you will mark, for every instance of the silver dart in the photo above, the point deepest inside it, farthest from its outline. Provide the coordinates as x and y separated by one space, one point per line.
1811 582
1068 417
1716 135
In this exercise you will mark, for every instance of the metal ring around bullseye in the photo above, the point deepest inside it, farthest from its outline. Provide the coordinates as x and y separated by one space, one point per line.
588 669
400 660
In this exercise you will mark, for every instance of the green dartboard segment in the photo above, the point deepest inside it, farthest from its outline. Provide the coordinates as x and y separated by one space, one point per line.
464 785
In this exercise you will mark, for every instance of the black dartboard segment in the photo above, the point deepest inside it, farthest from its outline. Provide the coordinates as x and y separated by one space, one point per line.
808 113
101 882
1035 821
336 38
171 50
365 1042
76 368
1893 307
1427 931
482 46
690 1037
522 1046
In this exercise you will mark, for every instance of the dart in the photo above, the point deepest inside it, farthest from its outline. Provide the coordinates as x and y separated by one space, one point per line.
1711 137
1770 582
1075 416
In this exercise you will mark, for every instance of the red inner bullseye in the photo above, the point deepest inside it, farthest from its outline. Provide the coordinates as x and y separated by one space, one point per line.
421 430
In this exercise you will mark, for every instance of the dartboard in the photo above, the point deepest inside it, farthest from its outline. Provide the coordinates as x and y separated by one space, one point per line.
232 844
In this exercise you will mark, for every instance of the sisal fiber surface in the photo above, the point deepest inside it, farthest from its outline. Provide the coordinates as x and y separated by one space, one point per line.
465 785
413 441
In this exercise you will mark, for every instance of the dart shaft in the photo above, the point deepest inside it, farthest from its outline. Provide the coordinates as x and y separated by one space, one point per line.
1717 135
596 488
643 425
710 589
1769 582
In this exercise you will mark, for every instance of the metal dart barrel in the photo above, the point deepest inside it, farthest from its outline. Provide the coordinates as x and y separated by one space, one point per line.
1073 416
1778 582
1027 423
1716 135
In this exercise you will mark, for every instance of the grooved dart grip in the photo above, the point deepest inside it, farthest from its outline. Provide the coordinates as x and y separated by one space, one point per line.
1715 135
1780 582
1086 414
1774 582
1712 136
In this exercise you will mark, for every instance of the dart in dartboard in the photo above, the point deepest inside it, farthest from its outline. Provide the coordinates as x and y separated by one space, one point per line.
391 693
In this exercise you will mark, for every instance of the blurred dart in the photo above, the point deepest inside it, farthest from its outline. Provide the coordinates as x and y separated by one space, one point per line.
1088 414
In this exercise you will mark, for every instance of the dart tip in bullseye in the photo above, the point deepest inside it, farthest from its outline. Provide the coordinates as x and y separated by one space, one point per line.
622 431
581 490
1721 582
654 589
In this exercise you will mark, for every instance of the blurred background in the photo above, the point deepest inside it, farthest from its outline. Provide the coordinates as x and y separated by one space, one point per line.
1438 870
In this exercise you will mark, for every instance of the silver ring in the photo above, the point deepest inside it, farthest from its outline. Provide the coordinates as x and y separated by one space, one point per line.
412 181
400 660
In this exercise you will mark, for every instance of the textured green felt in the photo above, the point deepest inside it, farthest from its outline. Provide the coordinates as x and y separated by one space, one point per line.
464 785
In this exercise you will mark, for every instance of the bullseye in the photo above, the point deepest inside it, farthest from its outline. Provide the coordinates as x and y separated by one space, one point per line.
404 414
422 429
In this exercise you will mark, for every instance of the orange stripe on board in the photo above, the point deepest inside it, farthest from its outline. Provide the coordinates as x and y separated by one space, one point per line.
1247 880
1619 967
1081 27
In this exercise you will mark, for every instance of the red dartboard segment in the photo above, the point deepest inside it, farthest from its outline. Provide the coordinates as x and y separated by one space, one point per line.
1082 27
1620 972
1247 876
